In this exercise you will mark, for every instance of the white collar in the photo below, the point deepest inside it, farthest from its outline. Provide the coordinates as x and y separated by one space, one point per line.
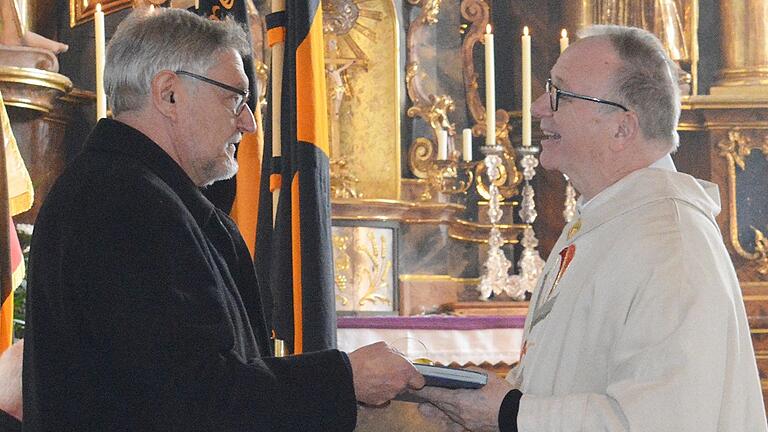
665 163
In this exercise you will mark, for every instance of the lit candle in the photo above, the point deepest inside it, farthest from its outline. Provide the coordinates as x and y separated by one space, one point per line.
563 40
526 87
466 144
197 4
101 95
442 144
490 89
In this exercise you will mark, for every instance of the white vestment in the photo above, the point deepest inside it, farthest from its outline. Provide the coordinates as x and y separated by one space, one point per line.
646 329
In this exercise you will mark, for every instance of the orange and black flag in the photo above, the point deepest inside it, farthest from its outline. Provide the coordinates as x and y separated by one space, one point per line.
293 243
17 196
239 196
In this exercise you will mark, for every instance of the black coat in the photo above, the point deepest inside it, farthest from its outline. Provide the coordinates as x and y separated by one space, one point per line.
143 311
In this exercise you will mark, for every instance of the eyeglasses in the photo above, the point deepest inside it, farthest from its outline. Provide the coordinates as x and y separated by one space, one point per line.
555 94
241 103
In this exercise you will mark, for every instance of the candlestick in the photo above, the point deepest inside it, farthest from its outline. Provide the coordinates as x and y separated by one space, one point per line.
526 108
563 40
101 95
466 144
442 144
490 89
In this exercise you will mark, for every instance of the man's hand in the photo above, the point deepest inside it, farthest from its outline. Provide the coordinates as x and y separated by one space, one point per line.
476 410
381 373
10 377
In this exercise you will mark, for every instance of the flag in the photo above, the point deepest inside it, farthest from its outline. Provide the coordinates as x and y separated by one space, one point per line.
20 196
239 195
295 256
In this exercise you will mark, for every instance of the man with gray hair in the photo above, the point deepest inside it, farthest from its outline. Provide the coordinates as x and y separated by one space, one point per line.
638 321
143 309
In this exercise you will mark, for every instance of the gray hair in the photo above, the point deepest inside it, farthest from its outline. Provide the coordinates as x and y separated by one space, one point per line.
146 43
646 81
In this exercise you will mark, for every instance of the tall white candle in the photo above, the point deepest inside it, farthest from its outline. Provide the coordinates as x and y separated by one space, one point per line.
101 95
466 144
490 89
526 44
442 144
563 40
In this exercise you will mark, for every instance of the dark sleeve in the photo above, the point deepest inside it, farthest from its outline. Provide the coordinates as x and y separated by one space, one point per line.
9 423
508 411
164 340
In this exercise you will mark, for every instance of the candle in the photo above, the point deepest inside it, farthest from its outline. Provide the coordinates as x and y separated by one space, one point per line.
442 144
490 89
526 44
466 144
197 4
563 40
101 95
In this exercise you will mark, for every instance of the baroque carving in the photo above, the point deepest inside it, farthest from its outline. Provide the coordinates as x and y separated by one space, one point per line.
735 149
433 109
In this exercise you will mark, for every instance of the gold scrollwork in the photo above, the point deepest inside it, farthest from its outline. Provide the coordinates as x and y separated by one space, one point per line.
735 149
419 155
433 109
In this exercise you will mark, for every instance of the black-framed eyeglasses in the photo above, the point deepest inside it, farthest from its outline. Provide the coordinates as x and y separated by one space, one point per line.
555 94
241 103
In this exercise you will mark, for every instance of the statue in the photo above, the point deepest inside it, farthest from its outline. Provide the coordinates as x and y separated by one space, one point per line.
668 19
22 48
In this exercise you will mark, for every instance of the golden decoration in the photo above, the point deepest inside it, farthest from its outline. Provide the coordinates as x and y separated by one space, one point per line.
735 149
342 180
81 11
377 271
363 268
341 264
430 10
575 228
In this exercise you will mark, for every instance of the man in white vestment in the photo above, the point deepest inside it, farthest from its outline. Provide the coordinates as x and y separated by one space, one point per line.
637 323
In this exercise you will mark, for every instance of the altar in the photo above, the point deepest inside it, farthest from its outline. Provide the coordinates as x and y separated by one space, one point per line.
446 340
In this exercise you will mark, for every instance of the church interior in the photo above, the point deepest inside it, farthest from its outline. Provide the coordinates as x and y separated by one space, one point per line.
440 228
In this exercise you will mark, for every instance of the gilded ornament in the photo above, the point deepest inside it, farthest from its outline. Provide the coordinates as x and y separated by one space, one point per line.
735 149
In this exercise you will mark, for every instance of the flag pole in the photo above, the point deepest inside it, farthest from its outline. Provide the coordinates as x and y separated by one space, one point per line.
278 58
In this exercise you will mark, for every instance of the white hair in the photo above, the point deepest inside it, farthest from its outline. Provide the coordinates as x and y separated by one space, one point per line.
146 43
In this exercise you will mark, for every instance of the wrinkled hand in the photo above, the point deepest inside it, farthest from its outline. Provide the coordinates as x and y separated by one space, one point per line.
381 373
476 410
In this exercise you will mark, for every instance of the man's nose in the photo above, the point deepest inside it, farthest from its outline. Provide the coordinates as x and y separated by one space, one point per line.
540 107
245 121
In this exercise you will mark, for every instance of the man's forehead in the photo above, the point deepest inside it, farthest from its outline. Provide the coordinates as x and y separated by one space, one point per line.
229 65
588 60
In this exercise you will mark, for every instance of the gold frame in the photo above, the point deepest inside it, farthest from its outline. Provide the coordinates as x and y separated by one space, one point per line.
735 148
81 11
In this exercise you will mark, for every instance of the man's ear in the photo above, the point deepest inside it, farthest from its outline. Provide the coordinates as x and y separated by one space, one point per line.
163 89
626 130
